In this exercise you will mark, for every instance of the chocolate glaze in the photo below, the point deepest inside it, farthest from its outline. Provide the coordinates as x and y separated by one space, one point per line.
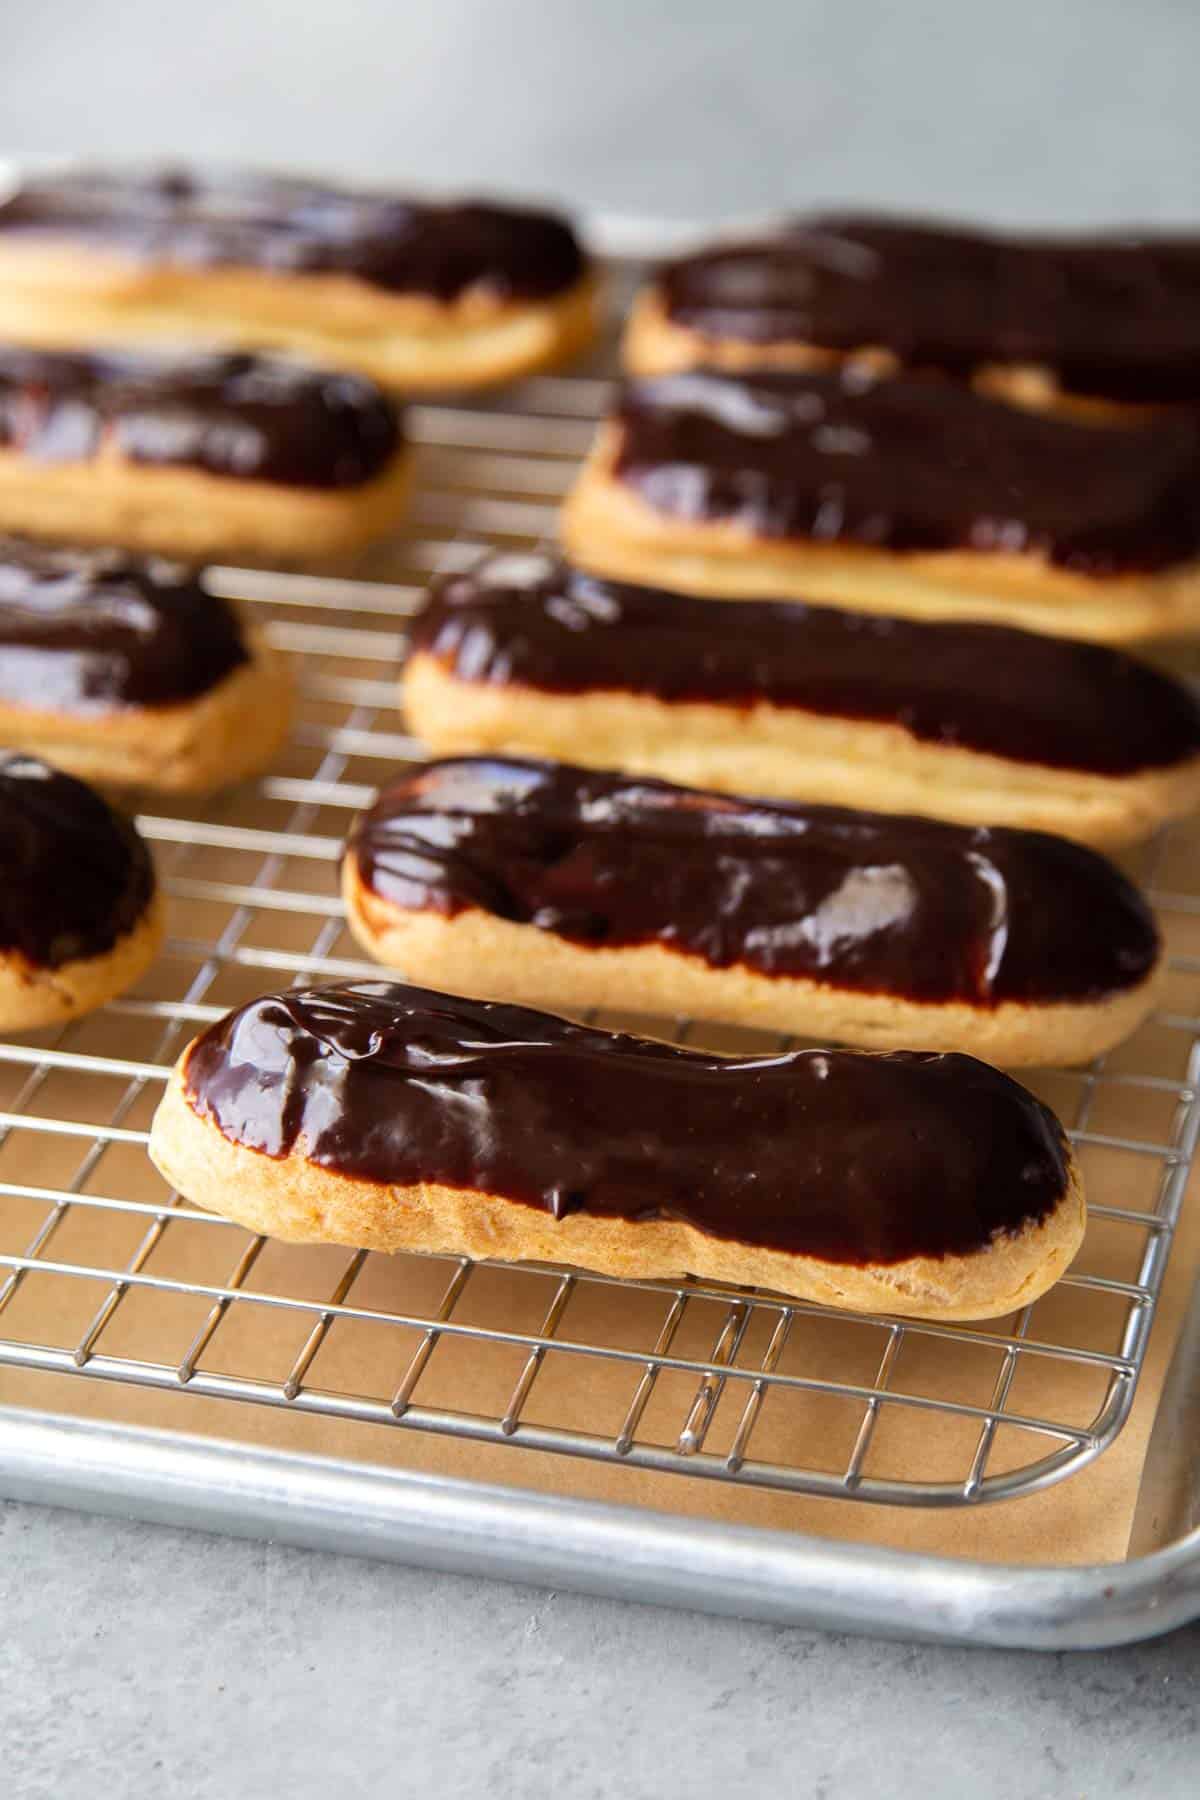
857 900
272 222
531 621
253 418
911 464
847 1157
76 875
1116 316
90 631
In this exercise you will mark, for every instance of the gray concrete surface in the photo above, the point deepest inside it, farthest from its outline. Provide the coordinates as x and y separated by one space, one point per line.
1072 109
140 1662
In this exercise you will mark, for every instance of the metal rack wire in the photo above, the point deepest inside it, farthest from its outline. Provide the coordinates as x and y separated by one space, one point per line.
103 1274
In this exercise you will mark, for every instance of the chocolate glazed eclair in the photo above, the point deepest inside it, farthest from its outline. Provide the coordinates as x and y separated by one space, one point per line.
976 724
414 294
130 673
80 918
907 496
196 454
395 1118
567 887
1093 323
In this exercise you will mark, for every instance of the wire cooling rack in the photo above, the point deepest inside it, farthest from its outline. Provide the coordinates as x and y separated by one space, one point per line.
105 1275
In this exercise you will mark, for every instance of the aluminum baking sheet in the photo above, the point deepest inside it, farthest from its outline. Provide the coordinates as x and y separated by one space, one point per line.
157 1360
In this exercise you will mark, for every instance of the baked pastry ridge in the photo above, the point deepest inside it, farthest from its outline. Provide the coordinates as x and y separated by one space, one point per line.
527 880
79 914
128 671
975 723
412 293
1109 318
196 453
901 496
393 1117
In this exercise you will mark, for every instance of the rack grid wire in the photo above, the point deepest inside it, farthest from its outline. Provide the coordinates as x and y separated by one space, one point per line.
106 1275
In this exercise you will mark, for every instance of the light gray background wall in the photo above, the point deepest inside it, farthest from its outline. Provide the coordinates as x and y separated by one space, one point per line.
140 1662
1039 109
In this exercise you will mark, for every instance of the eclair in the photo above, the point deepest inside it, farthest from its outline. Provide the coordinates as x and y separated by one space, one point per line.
908 496
196 454
568 887
129 673
1088 323
80 918
413 294
393 1118
977 724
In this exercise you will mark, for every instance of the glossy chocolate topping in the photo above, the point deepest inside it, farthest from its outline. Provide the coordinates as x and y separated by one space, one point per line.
89 631
847 1157
1116 316
76 875
911 464
253 418
272 222
533 622
856 900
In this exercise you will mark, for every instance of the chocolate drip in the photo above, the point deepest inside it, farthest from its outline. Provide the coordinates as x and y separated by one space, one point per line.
531 621
76 875
248 220
856 900
249 418
910 464
83 631
1116 317
847 1157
